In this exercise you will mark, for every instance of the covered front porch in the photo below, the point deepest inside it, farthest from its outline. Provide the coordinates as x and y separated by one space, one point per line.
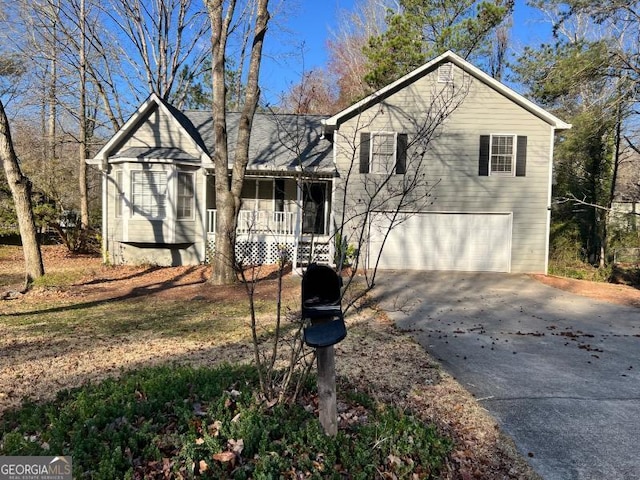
289 216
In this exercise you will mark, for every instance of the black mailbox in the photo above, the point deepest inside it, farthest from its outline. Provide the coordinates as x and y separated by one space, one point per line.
321 309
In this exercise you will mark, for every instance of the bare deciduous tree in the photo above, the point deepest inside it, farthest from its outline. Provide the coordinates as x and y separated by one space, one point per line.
347 62
228 188
313 95
360 198
163 37
21 192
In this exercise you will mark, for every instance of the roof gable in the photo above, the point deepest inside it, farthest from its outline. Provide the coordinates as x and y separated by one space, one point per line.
180 121
334 122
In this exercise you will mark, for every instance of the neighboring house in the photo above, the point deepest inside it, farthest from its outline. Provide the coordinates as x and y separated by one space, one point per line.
625 208
485 150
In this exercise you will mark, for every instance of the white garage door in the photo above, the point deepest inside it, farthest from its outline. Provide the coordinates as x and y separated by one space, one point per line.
443 241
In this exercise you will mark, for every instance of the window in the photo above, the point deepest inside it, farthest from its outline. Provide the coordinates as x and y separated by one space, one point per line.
383 152
148 193
502 156
119 193
314 197
257 194
185 195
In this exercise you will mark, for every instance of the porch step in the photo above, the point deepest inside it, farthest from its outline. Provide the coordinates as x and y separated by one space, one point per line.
320 253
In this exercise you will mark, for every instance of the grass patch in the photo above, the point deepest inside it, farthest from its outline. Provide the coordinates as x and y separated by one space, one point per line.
579 270
222 320
182 422
7 252
61 278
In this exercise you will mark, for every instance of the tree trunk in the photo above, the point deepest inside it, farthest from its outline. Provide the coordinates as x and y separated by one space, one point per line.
82 166
223 258
224 266
21 192
228 190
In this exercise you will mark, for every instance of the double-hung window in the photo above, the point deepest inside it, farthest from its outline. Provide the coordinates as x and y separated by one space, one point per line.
383 152
149 193
503 155
185 195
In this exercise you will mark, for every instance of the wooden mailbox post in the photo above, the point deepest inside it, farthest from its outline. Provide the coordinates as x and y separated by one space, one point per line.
322 311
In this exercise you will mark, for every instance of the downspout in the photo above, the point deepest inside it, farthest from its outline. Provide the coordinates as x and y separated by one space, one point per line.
204 216
105 211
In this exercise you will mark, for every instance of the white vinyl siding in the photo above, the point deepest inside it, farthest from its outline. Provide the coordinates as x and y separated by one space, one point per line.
149 193
502 157
450 162
185 204
383 152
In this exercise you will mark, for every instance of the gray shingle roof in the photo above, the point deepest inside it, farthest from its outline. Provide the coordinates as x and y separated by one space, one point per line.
279 142
156 153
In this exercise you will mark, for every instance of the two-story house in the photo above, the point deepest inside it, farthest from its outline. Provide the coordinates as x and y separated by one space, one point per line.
445 169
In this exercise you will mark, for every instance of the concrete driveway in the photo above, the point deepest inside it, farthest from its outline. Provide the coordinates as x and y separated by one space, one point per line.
559 372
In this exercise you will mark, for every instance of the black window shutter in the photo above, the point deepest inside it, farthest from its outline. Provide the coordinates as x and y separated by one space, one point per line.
364 152
401 154
483 165
521 157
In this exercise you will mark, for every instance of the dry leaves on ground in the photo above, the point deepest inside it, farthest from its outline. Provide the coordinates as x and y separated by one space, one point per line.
374 357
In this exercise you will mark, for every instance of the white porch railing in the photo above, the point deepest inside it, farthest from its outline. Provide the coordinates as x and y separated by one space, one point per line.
250 221
263 235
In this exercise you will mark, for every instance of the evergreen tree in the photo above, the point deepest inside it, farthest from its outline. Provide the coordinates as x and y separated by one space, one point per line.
423 29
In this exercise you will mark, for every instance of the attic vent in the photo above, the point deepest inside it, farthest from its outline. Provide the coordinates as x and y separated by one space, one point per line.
445 73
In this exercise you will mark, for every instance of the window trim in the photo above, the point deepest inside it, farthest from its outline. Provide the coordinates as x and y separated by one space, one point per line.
134 208
119 194
390 168
514 150
179 196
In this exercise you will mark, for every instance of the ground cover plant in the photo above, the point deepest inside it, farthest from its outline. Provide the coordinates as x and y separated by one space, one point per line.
181 422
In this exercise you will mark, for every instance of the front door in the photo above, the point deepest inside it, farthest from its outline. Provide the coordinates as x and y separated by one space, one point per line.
314 205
